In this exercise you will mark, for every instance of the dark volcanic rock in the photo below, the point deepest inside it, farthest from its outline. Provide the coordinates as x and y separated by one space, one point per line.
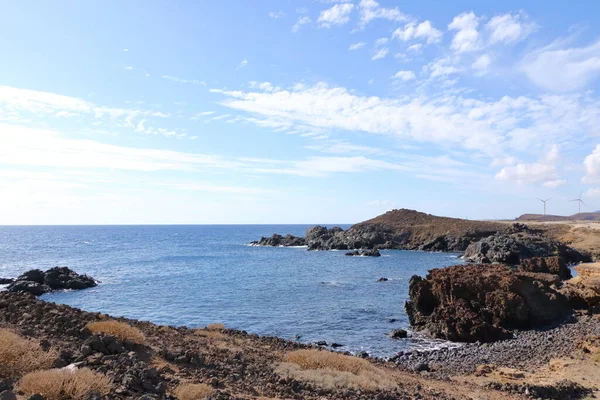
516 244
38 282
279 240
483 302
6 281
398 334
365 253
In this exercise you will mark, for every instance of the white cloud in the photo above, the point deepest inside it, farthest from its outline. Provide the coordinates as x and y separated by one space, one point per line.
555 183
370 10
276 14
504 161
509 28
381 42
125 50
544 171
466 37
128 68
339 14
301 21
560 68
211 188
593 192
405 75
592 166
415 47
243 63
412 30
442 67
380 53
493 127
180 80
482 63
356 46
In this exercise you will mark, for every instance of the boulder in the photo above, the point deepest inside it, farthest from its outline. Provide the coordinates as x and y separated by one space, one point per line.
382 280
33 275
398 334
6 281
469 303
64 278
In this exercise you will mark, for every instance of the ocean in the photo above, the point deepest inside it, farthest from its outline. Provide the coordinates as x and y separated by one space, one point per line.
195 275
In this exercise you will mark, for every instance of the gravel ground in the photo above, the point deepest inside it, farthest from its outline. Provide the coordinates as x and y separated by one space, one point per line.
525 351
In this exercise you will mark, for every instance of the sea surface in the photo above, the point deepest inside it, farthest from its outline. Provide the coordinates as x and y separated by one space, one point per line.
194 275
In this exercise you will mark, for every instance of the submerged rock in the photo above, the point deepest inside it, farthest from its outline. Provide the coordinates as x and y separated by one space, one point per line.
483 302
364 253
38 282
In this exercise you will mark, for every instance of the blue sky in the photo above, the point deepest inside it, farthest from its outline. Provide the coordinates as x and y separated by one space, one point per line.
296 111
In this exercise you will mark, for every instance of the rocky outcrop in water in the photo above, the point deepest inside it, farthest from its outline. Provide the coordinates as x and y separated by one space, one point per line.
364 253
38 282
483 302
278 240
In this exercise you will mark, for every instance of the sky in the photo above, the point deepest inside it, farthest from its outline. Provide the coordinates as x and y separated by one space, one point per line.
239 112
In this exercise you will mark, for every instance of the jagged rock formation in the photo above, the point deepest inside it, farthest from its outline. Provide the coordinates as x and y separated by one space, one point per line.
483 302
38 282
517 243
279 240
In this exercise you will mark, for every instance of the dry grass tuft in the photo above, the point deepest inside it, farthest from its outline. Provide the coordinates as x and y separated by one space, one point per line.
19 356
334 370
215 327
64 384
119 329
318 359
193 391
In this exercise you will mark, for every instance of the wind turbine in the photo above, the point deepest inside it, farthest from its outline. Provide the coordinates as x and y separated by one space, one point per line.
579 201
544 201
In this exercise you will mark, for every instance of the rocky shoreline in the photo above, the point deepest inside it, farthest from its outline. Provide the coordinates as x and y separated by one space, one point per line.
480 241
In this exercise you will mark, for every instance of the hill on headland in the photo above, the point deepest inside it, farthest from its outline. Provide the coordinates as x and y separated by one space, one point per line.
588 216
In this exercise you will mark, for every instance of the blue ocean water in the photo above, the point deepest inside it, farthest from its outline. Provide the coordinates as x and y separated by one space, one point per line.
194 275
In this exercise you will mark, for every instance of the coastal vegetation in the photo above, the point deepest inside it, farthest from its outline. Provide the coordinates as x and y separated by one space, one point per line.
121 330
65 384
19 356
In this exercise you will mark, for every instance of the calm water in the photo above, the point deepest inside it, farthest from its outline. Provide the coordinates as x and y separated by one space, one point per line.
196 275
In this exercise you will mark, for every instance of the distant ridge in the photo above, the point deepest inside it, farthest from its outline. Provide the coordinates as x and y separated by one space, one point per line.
589 216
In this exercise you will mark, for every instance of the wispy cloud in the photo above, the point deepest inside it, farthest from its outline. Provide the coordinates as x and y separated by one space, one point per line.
276 14
301 21
339 14
181 80
356 46
243 63
128 68
380 53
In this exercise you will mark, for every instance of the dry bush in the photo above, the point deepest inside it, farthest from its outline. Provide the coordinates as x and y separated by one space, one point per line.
215 327
65 384
212 334
19 356
318 359
334 370
193 391
121 330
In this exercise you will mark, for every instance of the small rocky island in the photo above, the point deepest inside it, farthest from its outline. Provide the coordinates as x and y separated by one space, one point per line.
38 282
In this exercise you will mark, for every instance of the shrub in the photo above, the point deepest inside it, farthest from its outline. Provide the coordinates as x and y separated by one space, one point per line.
215 327
194 391
65 384
118 329
19 356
